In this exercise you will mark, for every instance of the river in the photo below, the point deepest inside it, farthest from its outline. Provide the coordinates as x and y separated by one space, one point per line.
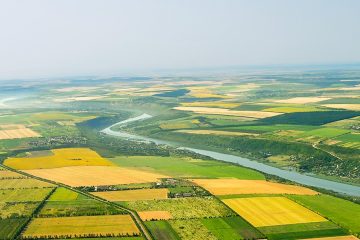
286 174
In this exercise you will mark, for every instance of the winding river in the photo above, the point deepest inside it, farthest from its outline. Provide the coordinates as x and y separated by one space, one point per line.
286 174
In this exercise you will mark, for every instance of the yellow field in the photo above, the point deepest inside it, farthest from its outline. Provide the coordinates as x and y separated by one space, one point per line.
23 183
119 225
303 100
237 186
350 237
133 195
228 112
154 215
210 104
18 133
61 158
95 175
204 92
217 132
354 107
271 211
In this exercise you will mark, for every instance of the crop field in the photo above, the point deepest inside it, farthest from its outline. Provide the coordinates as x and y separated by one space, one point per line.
217 132
303 230
303 100
115 225
94 175
291 109
181 208
9 227
61 206
335 238
354 107
154 215
311 118
342 212
4 174
321 134
229 228
228 112
24 195
178 125
236 186
63 194
191 229
59 158
272 211
211 104
18 133
162 230
187 167
133 195
15 210
23 183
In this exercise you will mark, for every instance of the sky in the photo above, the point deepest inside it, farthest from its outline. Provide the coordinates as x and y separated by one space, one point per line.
40 38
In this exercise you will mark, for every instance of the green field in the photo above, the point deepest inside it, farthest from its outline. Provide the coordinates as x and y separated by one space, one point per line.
63 194
191 229
10 227
15 210
345 213
229 228
184 208
79 207
24 195
161 230
187 167
306 230
23 183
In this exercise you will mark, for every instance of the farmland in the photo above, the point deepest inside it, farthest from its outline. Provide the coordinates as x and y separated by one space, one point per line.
93 175
235 186
154 215
117 225
342 212
59 158
272 211
24 195
23 183
9 227
133 195
90 185
181 208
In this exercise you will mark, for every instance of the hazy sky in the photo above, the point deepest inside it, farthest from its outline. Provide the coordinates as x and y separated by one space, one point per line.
71 37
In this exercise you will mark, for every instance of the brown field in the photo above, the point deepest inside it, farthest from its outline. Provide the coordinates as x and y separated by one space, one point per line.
4 174
302 100
95 175
119 225
354 107
350 237
11 126
237 186
272 211
228 112
217 132
154 215
18 133
133 195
